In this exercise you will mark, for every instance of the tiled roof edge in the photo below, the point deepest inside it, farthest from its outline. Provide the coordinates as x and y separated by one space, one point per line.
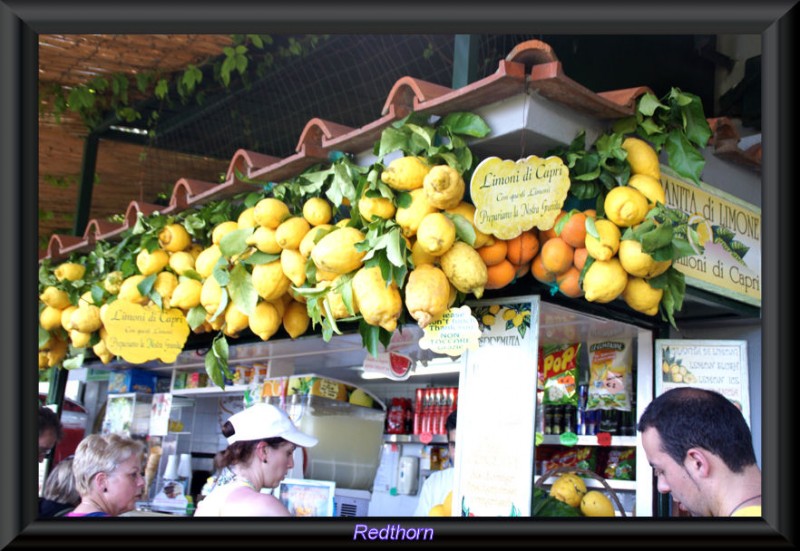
532 63
725 138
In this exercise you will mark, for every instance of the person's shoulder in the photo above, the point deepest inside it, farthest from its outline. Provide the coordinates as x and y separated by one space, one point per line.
246 502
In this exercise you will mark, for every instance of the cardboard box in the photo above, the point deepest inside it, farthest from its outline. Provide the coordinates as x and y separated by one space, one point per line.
131 380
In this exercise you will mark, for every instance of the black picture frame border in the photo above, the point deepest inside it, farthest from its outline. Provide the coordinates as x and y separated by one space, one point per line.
21 22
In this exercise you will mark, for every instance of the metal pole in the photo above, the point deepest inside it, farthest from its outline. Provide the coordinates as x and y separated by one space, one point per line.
465 60
88 167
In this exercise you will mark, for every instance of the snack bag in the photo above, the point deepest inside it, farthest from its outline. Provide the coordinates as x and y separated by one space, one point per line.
610 374
559 367
584 457
621 464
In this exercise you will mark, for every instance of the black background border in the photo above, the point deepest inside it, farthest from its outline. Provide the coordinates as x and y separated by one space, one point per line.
21 22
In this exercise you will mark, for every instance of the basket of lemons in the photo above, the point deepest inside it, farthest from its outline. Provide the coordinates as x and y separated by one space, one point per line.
569 497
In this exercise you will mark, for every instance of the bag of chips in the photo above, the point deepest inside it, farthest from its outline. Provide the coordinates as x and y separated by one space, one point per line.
559 367
621 464
610 374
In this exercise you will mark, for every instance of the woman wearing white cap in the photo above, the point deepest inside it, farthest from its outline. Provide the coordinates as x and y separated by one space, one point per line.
261 444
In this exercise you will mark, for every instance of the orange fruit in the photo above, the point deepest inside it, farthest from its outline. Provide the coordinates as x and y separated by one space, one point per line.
549 234
495 253
579 258
500 275
590 213
568 283
523 247
557 255
540 272
574 230
521 269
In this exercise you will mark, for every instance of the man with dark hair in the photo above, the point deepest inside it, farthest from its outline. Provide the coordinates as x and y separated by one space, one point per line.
50 431
701 451
439 484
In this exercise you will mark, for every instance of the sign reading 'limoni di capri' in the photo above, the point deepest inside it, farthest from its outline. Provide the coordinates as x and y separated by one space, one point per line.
511 197
726 233
139 334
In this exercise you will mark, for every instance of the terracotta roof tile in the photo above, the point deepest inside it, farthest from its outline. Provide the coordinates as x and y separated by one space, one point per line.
531 66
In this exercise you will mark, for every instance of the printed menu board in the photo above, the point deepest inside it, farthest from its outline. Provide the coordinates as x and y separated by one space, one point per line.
719 365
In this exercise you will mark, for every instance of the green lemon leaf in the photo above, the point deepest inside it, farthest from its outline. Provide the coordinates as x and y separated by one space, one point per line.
369 337
683 157
44 336
223 303
464 229
214 369
648 104
392 140
259 257
242 292
466 123
220 272
694 122
196 316
146 285
235 242
656 238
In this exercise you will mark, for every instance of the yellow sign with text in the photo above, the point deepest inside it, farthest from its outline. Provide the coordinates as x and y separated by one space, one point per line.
513 196
139 334
452 333
729 231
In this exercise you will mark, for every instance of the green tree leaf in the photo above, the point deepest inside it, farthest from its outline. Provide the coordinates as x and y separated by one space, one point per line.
196 317
683 157
465 231
235 242
695 124
240 287
648 104
467 124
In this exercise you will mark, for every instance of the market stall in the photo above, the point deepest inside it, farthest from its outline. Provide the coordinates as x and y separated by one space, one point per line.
522 230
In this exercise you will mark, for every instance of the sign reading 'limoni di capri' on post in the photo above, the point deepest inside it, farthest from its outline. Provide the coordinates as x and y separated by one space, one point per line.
139 334
511 197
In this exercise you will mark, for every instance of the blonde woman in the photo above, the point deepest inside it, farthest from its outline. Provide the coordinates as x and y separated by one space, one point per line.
59 494
108 474
262 440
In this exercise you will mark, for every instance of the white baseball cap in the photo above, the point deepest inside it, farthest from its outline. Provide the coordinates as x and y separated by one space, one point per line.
261 421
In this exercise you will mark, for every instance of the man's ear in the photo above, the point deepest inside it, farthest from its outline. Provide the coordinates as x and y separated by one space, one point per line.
698 461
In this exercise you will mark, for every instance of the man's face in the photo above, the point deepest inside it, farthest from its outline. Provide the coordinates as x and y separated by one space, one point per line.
673 477
46 442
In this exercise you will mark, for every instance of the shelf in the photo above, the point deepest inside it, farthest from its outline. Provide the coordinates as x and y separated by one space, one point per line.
591 440
210 391
413 439
593 483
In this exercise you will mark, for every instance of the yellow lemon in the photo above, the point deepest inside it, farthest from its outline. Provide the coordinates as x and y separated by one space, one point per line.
247 219
607 245
112 282
269 280
165 285
295 319
294 266
265 320
50 318
195 249
151 263
181 261
703 231
317 211
222 229
270 212
174 238
465 269
211 295
236 321
426 293
55 297
206 260
42 360
335 301
408 218
101 351
596 504
604 280
187 294
467 210
447 504
444 187
264 240
372 207
639 263
57 351
360 398
342 223
70 271
569 488
642 158
641 296
79 339
650 188
85 319
291 232
380 304
625 206
336 251
405 173
310 239
420 257
66 317
436 234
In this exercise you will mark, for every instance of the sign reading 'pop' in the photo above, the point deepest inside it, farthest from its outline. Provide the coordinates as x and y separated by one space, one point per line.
511 197
139 334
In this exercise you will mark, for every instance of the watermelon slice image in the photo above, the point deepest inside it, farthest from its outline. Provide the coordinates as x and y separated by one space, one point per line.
400 364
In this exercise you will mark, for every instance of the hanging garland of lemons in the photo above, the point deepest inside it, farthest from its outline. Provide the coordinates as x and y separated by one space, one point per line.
368 245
